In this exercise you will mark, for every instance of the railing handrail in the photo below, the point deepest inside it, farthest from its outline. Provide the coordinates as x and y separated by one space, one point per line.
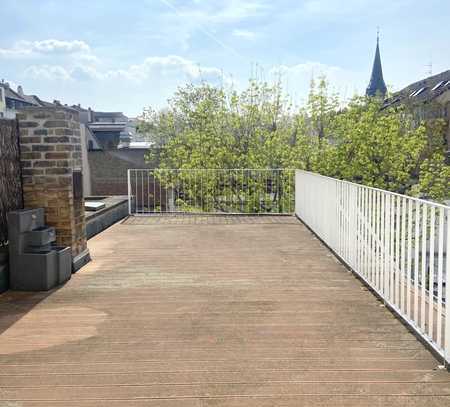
212 169
421 200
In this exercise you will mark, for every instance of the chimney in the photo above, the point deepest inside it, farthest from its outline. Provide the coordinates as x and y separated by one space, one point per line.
20 91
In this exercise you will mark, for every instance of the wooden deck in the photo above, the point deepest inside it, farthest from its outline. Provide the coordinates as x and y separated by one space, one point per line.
211 312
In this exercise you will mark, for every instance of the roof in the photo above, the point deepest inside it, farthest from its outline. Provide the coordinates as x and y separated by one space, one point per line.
140 144
10 94
36 100
423 91
376 84
106 126
31 99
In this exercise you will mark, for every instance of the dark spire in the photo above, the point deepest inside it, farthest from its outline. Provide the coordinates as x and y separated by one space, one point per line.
376 84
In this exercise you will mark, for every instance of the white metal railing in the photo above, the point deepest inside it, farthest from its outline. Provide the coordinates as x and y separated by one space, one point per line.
211 191
397 244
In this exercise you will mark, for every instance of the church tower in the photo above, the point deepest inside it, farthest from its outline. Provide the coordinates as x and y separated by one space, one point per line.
377 87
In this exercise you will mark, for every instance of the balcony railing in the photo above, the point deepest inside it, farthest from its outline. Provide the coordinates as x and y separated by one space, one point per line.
397 244
211 191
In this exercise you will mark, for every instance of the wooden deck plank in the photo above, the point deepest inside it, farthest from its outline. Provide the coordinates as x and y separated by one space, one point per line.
211 311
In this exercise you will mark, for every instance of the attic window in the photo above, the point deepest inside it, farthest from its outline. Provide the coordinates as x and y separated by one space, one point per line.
438 85
414 94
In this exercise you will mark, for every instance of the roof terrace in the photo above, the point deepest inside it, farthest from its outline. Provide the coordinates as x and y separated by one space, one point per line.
249 310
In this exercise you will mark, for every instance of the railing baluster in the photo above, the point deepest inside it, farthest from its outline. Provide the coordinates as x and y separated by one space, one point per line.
440 275
409 260
416 262
431 274
403 256
424 267
447 292
397 253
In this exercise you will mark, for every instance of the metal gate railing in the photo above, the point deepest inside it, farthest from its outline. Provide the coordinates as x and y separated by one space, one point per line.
211 191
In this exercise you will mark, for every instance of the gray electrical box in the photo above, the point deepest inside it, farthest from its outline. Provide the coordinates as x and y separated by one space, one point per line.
36 264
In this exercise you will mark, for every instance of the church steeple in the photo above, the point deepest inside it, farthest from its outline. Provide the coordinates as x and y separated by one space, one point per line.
376 84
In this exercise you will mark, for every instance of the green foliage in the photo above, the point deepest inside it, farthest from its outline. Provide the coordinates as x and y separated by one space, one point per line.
207 127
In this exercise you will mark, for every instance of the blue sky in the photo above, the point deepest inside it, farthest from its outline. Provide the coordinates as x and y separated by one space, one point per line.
124 55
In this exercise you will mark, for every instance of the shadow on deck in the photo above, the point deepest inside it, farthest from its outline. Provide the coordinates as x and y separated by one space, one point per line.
211 311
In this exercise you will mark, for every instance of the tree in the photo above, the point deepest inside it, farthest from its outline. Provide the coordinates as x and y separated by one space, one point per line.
207 127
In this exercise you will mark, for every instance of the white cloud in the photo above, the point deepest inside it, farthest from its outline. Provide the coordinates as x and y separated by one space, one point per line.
172 64
151 68
244 34
50 72
57 46
45 47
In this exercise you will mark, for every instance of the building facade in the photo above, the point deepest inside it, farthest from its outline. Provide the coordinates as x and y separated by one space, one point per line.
429 98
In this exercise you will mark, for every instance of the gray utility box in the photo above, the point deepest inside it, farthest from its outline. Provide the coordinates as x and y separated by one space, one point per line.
36 264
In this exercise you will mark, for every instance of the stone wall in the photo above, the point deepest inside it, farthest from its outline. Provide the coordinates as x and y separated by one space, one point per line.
50 152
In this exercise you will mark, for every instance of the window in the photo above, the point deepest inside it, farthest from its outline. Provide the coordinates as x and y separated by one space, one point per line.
414 94
438 85
90 145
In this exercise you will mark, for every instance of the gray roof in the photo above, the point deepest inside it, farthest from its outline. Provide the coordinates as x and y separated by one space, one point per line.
10 94
423 91
31 99
36 100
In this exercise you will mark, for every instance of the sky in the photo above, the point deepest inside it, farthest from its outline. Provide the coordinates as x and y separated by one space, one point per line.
124 55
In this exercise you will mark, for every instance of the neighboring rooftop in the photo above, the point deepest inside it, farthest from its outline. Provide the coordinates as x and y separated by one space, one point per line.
20 96
424 91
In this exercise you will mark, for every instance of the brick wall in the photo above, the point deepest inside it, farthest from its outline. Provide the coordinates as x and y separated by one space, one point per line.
109 169
50 152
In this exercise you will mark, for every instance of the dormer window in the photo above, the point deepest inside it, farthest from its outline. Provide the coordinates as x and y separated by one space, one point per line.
417 93
438 85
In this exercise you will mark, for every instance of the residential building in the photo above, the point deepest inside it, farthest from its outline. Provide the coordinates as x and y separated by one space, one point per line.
104 128
11 101
429 98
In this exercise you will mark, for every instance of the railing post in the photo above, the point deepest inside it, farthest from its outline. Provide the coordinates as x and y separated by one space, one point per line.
447 293
129 191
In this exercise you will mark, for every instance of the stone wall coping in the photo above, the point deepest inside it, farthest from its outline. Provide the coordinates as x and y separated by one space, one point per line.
47 108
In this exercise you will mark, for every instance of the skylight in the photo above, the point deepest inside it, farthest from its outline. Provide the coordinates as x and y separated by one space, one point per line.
437 86
417 93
